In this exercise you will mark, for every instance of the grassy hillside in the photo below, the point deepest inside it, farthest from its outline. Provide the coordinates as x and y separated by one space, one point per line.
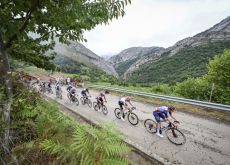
188 62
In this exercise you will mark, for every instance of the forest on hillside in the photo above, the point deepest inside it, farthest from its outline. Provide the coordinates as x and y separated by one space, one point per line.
188 62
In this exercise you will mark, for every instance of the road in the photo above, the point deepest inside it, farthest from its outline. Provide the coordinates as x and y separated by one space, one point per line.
208 141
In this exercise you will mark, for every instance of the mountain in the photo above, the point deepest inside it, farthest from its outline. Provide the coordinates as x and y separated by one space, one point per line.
186 58
79 54
127 57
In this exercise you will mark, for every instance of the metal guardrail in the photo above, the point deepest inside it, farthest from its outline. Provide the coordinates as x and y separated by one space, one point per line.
170 98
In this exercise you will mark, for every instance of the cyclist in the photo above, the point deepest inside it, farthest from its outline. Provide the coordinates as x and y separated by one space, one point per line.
100 99
84 93
69 88
58 89
123 102
162 112
72 93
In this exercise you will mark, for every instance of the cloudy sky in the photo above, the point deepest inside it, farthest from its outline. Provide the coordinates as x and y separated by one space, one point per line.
156 23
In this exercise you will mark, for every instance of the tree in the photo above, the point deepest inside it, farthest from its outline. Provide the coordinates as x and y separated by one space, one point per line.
219 74
200 88
64 19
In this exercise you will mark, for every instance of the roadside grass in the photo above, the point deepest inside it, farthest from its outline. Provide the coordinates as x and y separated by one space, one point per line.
215 114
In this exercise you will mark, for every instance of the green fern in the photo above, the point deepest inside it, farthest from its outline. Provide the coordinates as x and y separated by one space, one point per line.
99 146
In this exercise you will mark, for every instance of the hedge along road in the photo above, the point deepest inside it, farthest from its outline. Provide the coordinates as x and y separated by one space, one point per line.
207 141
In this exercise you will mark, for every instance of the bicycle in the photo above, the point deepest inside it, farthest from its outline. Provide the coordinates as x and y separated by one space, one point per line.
174 135
85 100
97 106
132 117
73 98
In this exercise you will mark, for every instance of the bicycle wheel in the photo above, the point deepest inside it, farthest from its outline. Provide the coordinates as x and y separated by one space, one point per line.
118 113
104 110
75 100
89 103
175 136
95 106
150 125
82 100
133 119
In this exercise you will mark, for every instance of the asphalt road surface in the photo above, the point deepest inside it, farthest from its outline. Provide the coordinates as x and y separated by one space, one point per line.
207 141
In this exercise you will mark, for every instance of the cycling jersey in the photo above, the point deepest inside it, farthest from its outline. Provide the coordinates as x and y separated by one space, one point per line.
84 91
123 99
101 95
69 88
72 91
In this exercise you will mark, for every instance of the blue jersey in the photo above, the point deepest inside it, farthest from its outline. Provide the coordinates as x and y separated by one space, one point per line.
163 110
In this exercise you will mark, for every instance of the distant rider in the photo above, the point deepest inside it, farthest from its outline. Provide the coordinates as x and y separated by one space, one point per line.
84 93
123 102
101 98
72 92
69 88
58 89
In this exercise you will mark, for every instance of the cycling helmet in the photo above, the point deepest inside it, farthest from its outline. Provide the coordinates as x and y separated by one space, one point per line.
87 90
128 98
171 108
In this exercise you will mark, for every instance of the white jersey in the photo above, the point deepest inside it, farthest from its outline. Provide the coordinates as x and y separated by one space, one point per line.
123 99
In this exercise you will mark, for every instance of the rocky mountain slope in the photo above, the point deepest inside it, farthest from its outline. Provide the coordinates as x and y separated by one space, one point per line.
195 51
218 32
80 54
127 57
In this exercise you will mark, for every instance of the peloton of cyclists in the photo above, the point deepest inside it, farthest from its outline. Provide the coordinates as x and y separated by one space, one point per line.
162 112
123 102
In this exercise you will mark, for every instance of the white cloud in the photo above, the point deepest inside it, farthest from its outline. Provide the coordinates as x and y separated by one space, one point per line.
156 23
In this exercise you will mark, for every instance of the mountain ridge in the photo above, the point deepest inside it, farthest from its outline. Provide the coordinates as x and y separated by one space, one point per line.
218 32
79 53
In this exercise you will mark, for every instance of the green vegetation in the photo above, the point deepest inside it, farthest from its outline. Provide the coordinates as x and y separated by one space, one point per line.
188 62
44 20
218 74
44 135
195 88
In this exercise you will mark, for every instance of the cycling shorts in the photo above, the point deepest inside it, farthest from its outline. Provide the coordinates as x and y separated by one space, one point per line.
121 103
100 99
159 115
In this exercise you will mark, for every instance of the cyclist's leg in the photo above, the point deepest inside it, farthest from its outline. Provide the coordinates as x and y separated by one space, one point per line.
157 118
121 104
101 101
